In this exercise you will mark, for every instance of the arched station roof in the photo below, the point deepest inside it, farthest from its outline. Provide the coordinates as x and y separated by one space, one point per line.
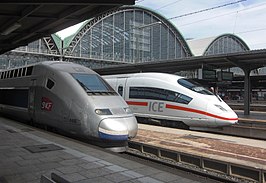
225 43
128 34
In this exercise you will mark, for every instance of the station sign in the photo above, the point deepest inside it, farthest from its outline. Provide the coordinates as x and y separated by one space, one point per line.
207 74
224 76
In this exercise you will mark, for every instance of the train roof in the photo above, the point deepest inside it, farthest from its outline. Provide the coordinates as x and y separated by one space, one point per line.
59 65
144 74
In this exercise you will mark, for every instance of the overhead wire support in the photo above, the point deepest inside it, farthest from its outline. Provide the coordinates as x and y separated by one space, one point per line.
207 9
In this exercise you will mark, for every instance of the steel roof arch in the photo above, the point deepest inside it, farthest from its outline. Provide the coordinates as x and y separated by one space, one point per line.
232 36
82 31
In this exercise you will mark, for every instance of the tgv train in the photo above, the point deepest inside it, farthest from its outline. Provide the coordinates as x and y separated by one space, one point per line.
172 100
68 97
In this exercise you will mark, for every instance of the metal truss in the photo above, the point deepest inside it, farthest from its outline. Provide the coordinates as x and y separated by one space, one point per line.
92 22
51 45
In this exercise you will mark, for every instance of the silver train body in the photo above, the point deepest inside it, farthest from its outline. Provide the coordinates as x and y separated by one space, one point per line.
69 97
171 98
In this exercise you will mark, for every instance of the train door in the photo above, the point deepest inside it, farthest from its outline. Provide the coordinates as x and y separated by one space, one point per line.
32 92
121 86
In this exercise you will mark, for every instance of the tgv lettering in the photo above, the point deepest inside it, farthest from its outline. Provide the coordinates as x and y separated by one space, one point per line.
156 106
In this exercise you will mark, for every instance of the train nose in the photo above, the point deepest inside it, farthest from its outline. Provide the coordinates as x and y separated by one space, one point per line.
117 128
223 114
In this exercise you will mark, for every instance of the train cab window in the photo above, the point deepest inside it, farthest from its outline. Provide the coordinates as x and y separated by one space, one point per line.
49 84
92 83
194 86
120 90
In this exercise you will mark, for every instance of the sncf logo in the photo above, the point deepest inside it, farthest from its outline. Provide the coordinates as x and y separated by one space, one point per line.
47 104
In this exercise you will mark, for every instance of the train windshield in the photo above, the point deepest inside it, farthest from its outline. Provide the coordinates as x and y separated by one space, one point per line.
92 83
194 86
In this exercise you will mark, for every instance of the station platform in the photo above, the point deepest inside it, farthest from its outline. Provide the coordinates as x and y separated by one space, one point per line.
253 116
27 154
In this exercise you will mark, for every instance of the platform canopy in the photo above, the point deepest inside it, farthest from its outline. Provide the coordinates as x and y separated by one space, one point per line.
24 21
245 60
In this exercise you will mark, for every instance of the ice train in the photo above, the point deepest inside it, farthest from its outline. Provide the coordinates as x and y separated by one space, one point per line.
172 100
68 97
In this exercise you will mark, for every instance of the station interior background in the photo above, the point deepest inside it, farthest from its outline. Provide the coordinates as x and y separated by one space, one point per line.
133 34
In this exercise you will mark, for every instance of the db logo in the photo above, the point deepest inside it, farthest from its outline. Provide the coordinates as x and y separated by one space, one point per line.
47 104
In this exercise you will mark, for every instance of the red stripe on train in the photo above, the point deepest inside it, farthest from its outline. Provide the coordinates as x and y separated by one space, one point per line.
169 106
137 103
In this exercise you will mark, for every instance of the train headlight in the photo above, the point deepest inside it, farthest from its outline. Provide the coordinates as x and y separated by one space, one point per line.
103 112
127 110
220 107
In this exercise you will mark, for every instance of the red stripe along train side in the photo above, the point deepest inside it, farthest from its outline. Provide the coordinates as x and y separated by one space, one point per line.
172 100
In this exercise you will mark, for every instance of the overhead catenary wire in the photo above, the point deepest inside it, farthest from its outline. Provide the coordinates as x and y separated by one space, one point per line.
207 9
213 8
221 15
167 4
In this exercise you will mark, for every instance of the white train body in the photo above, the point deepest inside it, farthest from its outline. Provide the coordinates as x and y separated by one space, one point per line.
69 97
173 98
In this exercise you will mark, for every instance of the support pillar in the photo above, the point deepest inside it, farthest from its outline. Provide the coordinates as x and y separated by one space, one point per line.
247 93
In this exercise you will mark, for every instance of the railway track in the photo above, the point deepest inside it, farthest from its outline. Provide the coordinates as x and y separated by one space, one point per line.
209 169
205 167
218 157
249 128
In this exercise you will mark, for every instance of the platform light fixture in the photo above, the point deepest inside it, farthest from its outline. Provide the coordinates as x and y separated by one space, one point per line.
10 29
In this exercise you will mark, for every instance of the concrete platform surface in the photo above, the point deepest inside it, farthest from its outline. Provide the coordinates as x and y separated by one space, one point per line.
27 153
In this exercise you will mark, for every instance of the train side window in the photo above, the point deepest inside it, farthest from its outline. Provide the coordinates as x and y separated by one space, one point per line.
183 99
29 71
11 74
23 71
158 94
15 73
49 84
19 72
120 90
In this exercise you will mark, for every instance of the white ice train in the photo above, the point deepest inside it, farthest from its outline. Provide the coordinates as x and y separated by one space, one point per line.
68 97
172 100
